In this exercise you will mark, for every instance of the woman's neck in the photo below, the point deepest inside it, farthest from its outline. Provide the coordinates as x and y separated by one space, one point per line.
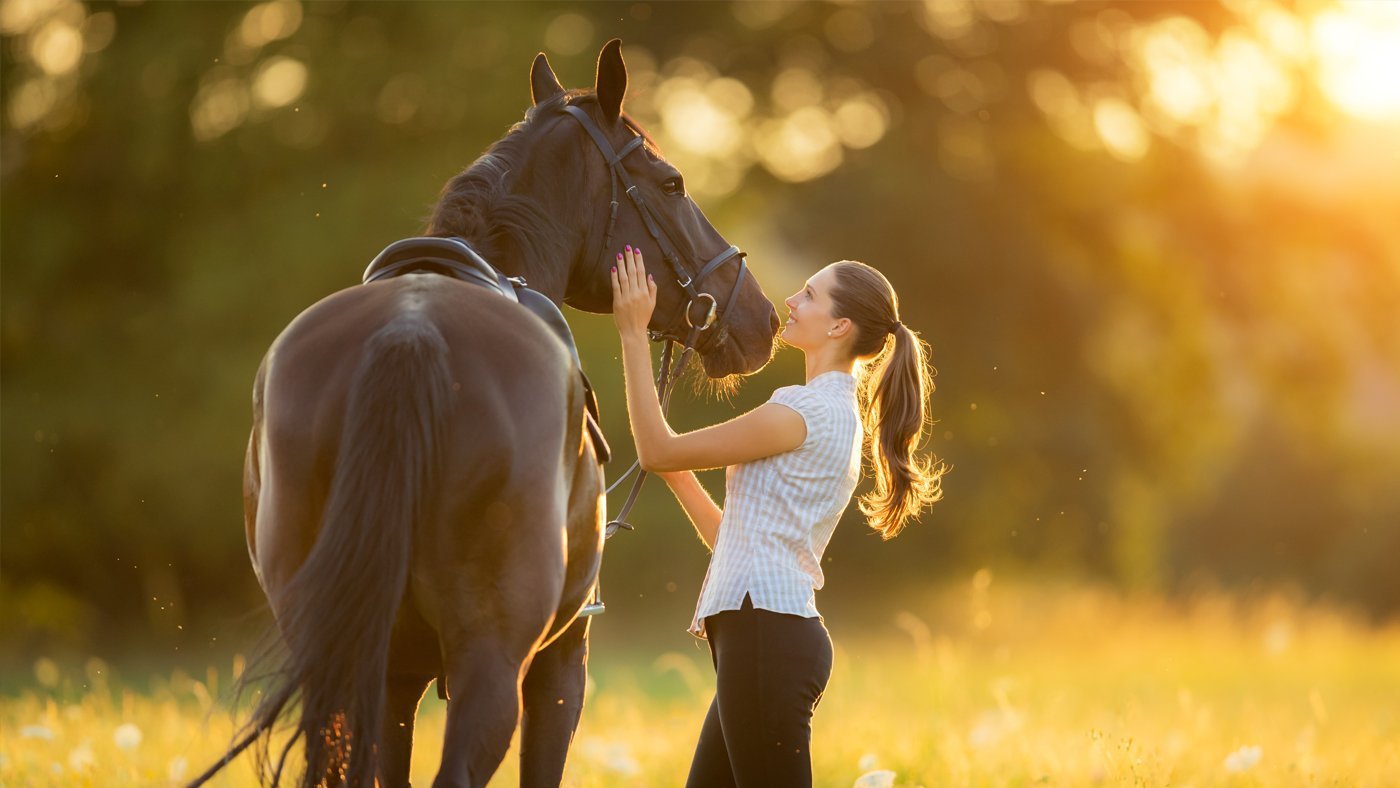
823 361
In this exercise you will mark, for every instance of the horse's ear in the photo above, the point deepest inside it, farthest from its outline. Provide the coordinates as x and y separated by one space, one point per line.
543 84
611 82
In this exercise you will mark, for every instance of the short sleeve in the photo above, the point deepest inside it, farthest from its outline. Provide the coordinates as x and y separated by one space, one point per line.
807 405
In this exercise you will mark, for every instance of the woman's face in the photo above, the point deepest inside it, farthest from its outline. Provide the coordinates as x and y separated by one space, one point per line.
809 312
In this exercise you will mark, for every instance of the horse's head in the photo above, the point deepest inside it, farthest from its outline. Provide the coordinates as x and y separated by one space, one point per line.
627 193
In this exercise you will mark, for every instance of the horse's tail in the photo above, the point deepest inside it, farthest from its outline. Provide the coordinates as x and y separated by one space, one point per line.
339 609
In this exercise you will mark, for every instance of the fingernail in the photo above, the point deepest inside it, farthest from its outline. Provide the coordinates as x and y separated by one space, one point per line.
648 277
629 247
614 269
619 255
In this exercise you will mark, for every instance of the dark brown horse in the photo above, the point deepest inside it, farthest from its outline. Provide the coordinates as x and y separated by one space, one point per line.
421 496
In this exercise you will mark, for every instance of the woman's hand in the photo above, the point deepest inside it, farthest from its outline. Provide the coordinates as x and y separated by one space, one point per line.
634 294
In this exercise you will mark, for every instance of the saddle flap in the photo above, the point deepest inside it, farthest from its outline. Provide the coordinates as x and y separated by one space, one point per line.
592 420
547 311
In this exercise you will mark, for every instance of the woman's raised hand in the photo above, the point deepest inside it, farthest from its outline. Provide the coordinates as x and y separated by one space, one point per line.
634 294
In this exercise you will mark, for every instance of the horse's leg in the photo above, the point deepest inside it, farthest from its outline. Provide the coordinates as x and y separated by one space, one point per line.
402 693
496 600
553 695
483 677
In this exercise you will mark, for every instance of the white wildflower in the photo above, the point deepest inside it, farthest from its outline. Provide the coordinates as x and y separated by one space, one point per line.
178 767
616 756
1243 759
36 732
883 778
867 762
81 759
991 727
127 737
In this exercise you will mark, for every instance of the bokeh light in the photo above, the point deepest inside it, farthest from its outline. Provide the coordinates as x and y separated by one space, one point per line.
279 81
1358 52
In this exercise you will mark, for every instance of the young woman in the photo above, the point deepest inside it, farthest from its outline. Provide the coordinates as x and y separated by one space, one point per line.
792 465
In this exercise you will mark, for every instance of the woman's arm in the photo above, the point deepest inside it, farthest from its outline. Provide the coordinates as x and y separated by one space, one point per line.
767 430
696 502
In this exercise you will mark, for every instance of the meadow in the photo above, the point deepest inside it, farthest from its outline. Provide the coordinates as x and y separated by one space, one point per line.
982 684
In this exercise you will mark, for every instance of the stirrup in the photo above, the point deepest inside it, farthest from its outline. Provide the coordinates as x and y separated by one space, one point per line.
595 604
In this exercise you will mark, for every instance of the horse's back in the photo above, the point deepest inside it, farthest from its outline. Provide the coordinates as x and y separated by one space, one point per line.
505 429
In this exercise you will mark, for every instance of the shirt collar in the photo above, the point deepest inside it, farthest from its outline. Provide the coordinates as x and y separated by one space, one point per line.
834 378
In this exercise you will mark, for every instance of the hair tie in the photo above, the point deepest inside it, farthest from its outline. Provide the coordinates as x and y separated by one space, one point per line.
895 325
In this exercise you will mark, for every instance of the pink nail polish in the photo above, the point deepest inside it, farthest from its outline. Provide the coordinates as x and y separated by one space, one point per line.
614 270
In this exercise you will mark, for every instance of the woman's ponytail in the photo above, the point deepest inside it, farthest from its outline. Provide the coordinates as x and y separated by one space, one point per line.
893 395
893 408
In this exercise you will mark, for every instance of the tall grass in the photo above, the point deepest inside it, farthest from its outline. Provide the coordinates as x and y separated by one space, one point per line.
978 685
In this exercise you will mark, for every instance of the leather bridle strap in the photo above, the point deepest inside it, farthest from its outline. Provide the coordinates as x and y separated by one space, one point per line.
687 282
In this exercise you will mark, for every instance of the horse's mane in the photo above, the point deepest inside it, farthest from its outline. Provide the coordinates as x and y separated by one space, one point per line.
477 205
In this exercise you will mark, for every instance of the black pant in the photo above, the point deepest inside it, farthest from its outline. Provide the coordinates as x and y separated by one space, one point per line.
770 671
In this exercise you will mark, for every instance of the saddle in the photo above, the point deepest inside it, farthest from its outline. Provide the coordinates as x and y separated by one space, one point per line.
454 258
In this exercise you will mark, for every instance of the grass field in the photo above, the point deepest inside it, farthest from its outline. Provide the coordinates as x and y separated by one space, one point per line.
969 686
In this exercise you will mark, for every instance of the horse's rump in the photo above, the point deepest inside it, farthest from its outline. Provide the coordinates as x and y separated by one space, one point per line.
402 424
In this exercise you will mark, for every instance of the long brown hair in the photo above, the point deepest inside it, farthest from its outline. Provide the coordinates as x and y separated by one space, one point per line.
893 385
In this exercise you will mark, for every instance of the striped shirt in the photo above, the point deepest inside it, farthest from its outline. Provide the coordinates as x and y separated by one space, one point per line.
780 511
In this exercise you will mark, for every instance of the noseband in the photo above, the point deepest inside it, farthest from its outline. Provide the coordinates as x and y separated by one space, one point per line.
662 239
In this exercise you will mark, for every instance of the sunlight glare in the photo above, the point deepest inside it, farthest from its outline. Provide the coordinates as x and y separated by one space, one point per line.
1358 58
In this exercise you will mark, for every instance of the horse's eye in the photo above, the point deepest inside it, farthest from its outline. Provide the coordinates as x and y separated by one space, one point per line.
673 186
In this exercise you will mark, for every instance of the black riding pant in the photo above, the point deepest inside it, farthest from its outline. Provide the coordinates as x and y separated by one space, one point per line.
770 671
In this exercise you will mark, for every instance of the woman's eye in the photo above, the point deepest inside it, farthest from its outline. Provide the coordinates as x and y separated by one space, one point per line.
673 186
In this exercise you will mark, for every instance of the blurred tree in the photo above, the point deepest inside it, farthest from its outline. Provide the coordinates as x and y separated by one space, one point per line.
1157 264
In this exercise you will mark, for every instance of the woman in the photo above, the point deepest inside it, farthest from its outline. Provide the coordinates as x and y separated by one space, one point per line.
792 466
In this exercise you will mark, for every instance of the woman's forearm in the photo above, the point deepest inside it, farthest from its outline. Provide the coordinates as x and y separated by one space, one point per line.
698 506
649 428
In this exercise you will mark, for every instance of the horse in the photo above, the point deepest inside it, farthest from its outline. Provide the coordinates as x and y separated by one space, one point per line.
421 496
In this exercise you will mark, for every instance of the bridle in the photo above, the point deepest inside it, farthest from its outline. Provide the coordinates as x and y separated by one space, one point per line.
662 238
666 377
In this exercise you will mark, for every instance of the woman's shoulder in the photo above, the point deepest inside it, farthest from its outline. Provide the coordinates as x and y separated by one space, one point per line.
793 395
814 404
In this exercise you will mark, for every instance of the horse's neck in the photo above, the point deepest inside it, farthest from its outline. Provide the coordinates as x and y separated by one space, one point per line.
547 277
